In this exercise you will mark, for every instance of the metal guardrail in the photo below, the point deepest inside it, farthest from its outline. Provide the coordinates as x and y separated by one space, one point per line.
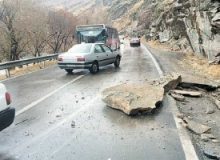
9 65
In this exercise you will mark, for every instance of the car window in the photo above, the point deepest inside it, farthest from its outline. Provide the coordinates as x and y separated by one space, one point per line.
80 48
98 49
106 49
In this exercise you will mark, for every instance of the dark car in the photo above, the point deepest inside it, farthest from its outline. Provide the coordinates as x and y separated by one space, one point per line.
135 42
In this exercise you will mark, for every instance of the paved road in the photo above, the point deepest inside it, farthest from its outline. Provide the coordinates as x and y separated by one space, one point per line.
62 117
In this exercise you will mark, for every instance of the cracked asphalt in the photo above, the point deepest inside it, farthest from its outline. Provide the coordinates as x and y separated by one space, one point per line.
62 117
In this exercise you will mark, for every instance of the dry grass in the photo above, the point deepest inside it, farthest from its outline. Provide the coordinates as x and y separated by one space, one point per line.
28 69
158 45
202 66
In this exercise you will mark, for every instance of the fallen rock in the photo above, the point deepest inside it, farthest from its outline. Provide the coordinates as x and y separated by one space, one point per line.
196 127
178 97
206 137
140 98
133 98
210 110
212 152
215 141
217 103
187 93
73 125
171 81
180 115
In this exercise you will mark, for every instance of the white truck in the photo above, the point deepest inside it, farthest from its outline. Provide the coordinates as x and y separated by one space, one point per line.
7 113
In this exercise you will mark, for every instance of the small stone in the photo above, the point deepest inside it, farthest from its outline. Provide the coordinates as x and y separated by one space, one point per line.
204 138
73 125
217 103
83 98
77 101
209 136
178 97
180 115
58 116
215 141
210 110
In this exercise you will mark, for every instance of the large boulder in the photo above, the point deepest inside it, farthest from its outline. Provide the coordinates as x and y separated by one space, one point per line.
133 98
139 98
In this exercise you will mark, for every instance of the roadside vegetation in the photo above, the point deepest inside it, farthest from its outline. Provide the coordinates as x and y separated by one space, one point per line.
29 30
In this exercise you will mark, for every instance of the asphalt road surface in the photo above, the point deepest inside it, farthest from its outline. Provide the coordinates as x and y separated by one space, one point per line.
62 117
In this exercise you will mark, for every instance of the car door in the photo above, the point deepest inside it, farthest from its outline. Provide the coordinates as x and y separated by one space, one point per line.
110 54
100 55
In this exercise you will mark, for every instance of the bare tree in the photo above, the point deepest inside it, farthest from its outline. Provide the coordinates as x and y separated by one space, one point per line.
37 29
14 38
61 29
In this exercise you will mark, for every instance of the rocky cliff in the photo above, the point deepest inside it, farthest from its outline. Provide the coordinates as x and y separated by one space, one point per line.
188 24
192 25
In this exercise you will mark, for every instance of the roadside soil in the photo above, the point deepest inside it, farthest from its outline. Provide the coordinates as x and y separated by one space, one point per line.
27 69
196 70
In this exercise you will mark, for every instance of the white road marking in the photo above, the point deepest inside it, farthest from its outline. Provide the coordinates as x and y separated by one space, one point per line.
46 96
154 61
184 137
188 148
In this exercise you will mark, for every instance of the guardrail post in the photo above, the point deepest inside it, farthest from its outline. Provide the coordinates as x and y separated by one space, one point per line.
7 72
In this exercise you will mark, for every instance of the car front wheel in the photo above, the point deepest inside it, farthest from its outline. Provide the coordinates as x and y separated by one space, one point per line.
94 68
117 62
69 71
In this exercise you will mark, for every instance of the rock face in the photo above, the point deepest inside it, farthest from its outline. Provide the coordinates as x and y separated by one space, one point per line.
197 22
139 98
132 99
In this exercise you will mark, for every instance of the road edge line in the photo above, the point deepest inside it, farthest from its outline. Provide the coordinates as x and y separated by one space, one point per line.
184 136
159 69
185 140
31 105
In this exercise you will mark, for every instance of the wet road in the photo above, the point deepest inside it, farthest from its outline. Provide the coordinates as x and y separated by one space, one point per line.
62 117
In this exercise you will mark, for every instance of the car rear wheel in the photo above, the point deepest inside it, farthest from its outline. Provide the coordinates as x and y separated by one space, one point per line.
117 62
94 68
69 71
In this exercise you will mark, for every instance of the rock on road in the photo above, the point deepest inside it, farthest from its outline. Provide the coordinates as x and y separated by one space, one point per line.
63 117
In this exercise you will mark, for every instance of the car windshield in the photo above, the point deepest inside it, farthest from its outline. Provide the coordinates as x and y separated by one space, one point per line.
80 48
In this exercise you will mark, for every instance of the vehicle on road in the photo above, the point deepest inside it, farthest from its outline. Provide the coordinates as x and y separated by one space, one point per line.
89 56
98 33
135 42
7 113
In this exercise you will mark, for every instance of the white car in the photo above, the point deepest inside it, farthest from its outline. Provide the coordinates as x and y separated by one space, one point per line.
88 56
7 113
